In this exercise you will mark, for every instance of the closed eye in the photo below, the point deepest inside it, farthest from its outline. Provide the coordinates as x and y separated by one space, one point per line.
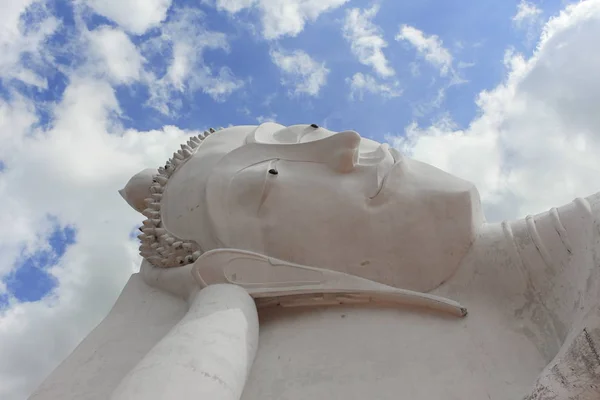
250 186
272 174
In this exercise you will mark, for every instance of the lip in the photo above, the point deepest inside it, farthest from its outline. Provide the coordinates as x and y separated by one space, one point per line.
386 158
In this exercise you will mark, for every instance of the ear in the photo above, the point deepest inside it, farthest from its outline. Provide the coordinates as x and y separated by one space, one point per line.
275 282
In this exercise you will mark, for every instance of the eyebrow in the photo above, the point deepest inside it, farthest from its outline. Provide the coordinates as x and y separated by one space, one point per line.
309 130
264 181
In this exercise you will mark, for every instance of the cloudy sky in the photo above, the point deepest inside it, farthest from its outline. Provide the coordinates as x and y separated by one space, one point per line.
503 93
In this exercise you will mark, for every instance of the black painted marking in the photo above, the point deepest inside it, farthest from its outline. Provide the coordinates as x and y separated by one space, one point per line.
592 345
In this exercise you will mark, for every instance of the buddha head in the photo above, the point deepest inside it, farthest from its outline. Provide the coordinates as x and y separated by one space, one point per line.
314 197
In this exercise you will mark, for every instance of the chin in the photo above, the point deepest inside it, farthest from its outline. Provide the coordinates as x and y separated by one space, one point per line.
433 218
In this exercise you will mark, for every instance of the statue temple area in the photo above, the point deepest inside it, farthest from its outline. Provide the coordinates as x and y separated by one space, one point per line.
298 263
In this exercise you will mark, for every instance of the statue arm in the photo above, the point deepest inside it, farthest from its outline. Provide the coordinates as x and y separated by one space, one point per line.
138 320
574 374
569 289
208 354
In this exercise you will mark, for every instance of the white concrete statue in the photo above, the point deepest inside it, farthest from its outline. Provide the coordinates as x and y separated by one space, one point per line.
356 258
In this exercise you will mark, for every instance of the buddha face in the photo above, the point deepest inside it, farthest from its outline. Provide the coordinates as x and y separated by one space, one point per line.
320 198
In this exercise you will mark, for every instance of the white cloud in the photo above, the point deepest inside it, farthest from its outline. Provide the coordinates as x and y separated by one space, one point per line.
363 83
429 47
414 69
282 17
527 13
72 171
17 116
535 144
464 64
423 108
17 40
186 71
268 118
220 85
528 19
367 45
366 40
234 6
300 71
135 16
114 54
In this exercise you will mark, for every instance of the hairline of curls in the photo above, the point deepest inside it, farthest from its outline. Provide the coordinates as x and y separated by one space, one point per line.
159 247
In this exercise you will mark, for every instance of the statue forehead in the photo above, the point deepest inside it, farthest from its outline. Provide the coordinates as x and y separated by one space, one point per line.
216 147
268 133
187 185
225 141
294 139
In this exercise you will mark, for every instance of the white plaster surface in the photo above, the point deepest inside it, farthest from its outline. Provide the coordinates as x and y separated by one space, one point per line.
303 211
207 355
526 319
141 316
338 201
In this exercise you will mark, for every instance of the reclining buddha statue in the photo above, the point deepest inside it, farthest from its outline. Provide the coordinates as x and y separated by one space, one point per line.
300 263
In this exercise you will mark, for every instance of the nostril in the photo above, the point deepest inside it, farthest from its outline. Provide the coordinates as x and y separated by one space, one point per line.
273 171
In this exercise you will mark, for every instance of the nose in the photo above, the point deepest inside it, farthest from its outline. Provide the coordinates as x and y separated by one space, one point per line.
342 149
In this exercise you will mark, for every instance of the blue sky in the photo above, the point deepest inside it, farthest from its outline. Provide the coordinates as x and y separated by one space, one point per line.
477 34
91 92
29 280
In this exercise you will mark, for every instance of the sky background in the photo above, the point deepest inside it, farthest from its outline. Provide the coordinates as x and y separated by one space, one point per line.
503 93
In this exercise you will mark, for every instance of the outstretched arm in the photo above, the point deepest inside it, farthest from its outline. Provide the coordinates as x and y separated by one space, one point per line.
568 284
574 374
208 354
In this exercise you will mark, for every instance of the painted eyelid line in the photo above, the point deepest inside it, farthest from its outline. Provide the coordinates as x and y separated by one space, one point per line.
267 182
265 176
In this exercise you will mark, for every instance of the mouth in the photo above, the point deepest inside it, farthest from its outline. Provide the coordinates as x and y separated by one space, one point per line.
383 160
